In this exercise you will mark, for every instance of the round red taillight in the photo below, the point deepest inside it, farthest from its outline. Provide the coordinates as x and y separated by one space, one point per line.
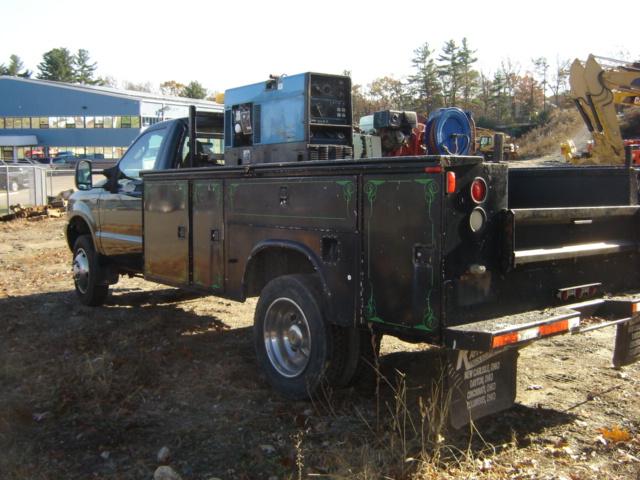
479 190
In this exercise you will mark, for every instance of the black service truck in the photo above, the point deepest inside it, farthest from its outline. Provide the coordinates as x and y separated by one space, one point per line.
265 199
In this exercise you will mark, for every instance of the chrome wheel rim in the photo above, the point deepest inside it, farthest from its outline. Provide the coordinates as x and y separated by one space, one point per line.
80 270
287 339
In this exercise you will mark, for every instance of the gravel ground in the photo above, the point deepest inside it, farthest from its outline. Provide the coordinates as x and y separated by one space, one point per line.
97 392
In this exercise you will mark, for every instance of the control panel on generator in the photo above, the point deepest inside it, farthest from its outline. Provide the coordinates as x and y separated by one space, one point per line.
289 119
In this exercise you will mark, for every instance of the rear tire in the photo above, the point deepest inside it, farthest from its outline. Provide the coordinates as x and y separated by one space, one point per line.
293 343
87 273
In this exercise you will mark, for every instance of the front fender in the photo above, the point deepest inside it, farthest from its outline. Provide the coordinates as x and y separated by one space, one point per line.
83 206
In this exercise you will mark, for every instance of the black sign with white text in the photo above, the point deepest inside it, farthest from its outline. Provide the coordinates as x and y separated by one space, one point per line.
481 383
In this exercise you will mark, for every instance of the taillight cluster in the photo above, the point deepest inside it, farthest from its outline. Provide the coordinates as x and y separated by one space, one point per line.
577 293
478 217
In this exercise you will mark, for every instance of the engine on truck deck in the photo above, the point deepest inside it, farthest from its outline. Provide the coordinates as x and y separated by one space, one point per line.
400 133
448 131
289 119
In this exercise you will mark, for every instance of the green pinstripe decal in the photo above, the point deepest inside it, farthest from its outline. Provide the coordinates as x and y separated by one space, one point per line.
347 191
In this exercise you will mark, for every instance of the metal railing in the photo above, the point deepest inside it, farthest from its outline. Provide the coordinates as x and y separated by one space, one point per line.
31 185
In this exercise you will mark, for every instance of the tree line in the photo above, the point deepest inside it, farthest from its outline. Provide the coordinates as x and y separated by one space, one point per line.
61 65
443 78
448 77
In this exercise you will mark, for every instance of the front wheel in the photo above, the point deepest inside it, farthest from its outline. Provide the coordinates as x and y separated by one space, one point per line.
292 339
86 270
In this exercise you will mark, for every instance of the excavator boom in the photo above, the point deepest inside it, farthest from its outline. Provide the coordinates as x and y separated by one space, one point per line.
596 91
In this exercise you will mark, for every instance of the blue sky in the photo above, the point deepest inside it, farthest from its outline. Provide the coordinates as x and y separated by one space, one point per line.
231 43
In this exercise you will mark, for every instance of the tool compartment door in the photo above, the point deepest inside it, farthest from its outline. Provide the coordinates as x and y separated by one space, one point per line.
402 224
166 231
208 234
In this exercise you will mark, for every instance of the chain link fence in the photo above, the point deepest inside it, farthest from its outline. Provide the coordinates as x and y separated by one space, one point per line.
30 185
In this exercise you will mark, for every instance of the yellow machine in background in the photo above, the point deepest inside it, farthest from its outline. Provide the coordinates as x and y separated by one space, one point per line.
485 144
596 89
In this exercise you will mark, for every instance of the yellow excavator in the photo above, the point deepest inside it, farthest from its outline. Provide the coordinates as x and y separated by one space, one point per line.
598 86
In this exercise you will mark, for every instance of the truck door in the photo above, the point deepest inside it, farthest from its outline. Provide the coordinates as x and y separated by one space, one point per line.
120 230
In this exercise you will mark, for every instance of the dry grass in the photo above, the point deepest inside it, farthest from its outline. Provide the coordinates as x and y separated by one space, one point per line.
156 367
546 139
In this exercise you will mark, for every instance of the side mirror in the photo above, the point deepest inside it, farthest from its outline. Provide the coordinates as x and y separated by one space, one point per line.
84 175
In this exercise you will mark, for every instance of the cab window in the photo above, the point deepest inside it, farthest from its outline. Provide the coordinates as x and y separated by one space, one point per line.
143 154
209 152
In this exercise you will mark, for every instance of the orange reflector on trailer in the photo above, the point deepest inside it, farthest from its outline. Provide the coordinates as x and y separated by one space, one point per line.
437 169
504 339
556 327
532 333
451 182
635 307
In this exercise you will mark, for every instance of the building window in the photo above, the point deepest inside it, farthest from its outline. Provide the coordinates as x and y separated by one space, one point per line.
148 121
89 122
1 122
98 122
44 122
108 122
70 122
57 122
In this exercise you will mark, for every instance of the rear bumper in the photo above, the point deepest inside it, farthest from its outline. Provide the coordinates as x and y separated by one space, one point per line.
482 356
521 329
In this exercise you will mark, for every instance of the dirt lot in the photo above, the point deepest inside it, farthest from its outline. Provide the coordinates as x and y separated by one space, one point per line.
95 393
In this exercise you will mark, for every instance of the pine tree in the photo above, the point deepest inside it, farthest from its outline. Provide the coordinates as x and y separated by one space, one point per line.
510 71
84 70
541 66
449 72
424 85
469 77
15 68
57 64
499 98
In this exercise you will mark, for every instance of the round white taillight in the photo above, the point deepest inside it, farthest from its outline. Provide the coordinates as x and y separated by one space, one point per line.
478 190
477 219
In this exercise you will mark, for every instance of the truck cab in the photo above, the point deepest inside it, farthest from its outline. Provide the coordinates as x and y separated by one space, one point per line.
111 211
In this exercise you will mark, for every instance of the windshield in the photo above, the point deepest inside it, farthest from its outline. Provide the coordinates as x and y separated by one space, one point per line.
143 154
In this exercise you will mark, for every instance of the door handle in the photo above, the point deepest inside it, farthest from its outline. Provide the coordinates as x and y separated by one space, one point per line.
182 231
284 196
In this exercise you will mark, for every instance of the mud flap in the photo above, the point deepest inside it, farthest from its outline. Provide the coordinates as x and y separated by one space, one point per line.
480 383
627 346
